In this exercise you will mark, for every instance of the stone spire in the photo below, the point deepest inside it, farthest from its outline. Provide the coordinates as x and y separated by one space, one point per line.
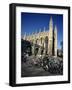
32 33
51 28
50 46
44 29
36 31
55 29
51 24
25 36
55 42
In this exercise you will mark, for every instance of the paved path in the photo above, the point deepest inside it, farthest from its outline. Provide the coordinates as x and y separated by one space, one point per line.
28 69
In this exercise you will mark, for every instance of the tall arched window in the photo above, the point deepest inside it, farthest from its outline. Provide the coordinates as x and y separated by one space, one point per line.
37 41
41 40
46 44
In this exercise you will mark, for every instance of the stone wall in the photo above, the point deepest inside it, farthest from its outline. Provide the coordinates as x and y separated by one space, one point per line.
46 40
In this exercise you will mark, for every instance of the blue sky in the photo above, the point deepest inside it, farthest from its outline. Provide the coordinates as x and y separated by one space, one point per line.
32 22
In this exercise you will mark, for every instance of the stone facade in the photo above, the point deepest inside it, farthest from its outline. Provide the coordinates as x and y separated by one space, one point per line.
45 42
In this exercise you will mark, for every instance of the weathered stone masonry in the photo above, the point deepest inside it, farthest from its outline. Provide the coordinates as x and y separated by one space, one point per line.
46 40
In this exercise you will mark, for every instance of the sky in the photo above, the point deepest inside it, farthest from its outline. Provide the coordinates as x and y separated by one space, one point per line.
33 22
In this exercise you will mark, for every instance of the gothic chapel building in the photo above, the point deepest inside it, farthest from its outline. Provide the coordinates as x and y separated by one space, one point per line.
45 42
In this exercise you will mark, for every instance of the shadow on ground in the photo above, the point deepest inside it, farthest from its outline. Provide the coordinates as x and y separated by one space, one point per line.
41 66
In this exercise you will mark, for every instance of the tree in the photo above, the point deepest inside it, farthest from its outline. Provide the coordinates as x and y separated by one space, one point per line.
61 43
